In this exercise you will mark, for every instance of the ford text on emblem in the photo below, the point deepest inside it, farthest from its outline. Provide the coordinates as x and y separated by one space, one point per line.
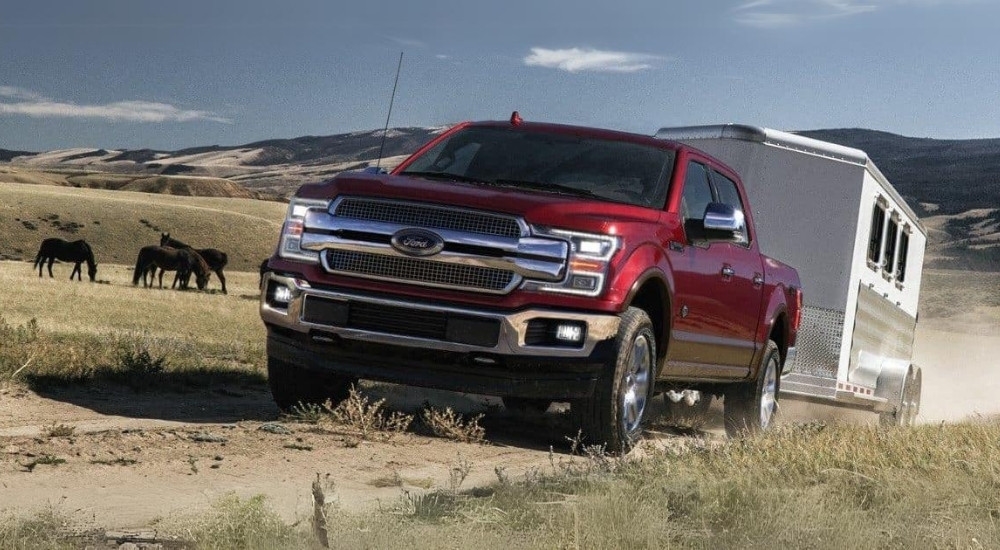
417 242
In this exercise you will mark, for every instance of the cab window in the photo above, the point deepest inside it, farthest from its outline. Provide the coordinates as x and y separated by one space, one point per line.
696 196
730 194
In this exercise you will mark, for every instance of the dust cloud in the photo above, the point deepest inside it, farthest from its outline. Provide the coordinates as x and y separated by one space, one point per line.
961 371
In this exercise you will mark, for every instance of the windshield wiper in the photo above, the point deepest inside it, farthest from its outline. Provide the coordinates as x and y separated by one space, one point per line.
444 176
550 187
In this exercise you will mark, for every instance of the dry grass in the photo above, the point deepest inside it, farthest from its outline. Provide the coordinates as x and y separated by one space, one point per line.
454 426
61 331
118 223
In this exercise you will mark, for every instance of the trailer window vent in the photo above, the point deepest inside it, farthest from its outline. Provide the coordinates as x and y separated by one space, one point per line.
889 254
875 236
904 248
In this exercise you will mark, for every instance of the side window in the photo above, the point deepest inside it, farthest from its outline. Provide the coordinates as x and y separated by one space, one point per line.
729 194
875 234
904 248
697 193
889 254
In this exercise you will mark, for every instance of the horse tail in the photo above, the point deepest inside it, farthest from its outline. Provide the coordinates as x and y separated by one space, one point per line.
139 268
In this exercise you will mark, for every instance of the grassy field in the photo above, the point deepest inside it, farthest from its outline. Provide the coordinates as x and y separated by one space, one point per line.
74 330
118 223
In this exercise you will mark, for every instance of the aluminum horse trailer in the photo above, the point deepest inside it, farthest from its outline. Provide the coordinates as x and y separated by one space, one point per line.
829 211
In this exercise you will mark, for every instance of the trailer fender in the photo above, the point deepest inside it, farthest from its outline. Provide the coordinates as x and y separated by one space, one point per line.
899 383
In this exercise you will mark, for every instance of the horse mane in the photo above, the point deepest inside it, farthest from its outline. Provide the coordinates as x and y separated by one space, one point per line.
167 240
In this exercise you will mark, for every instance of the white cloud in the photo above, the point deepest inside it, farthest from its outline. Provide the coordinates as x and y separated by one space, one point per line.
770 14
14 92
586 59
31 104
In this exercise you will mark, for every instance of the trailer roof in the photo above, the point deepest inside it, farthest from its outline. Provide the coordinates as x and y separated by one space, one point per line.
794 142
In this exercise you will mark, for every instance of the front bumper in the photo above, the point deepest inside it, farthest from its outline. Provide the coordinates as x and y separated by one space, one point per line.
476 350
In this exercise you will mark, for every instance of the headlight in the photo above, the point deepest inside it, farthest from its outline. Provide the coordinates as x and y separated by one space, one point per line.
588 262
291 232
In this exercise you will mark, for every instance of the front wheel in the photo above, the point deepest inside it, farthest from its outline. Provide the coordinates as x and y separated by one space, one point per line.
614 415
750 407
293 386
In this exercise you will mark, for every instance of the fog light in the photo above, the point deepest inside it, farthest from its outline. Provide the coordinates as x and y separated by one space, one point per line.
584 282
569 332
282 295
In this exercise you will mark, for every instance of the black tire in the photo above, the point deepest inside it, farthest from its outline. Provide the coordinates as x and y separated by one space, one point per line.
751 407
526 405
292 385
614 415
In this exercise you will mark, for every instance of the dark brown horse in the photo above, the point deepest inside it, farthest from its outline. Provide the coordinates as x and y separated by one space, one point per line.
182 260
215 258
77 251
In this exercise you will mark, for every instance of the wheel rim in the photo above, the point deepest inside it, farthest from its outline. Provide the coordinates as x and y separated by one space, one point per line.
769 393
636 386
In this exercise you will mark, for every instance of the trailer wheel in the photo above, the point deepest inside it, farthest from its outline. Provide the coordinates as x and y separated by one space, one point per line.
905 413
526 405
614 415
751 407
292 385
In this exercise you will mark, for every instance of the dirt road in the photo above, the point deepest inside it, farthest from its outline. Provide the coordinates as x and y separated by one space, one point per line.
132 459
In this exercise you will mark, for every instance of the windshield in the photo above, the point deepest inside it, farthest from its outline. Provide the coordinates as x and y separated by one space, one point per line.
609 170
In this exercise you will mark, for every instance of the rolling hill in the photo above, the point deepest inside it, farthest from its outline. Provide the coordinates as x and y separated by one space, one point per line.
954 185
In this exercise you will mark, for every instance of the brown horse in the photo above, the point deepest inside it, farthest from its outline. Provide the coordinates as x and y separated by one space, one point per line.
183 261
77 251
215 258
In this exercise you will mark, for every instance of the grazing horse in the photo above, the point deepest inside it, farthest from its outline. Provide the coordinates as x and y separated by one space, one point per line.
183 261
215 258
77 251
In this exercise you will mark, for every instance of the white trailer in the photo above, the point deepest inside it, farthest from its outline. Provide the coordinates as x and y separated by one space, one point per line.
829 212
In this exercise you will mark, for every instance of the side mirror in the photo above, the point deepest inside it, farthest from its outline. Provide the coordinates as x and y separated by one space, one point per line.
722 224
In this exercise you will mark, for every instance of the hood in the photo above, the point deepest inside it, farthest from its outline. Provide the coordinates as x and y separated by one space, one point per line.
536 207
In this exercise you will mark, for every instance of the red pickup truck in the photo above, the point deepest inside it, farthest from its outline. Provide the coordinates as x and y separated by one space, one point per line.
539 263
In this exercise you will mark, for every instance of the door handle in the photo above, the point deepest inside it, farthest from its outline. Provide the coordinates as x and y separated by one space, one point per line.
728 271
758 279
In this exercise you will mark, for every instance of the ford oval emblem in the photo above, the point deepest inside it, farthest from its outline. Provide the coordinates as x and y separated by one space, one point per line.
417 242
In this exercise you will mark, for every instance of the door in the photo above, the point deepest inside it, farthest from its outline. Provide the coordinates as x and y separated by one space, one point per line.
718 289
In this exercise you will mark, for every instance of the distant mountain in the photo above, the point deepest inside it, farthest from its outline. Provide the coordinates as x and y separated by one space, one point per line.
275 167
954 185
953 175
6 155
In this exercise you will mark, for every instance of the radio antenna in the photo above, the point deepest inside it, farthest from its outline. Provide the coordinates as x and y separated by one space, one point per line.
378 163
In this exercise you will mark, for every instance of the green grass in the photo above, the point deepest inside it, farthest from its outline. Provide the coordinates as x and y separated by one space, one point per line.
118 223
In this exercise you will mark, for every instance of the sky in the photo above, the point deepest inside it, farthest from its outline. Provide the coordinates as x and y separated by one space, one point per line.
131 74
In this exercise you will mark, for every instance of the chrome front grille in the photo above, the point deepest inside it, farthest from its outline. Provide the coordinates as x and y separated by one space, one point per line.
423 215
420 271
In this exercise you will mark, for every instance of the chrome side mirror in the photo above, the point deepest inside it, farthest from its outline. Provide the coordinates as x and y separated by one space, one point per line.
723 223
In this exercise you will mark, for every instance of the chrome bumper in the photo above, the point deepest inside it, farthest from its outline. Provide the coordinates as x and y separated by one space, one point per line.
513 326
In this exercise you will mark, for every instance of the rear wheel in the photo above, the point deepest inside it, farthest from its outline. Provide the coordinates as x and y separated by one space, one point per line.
750 407
527 405
614 415
292 385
